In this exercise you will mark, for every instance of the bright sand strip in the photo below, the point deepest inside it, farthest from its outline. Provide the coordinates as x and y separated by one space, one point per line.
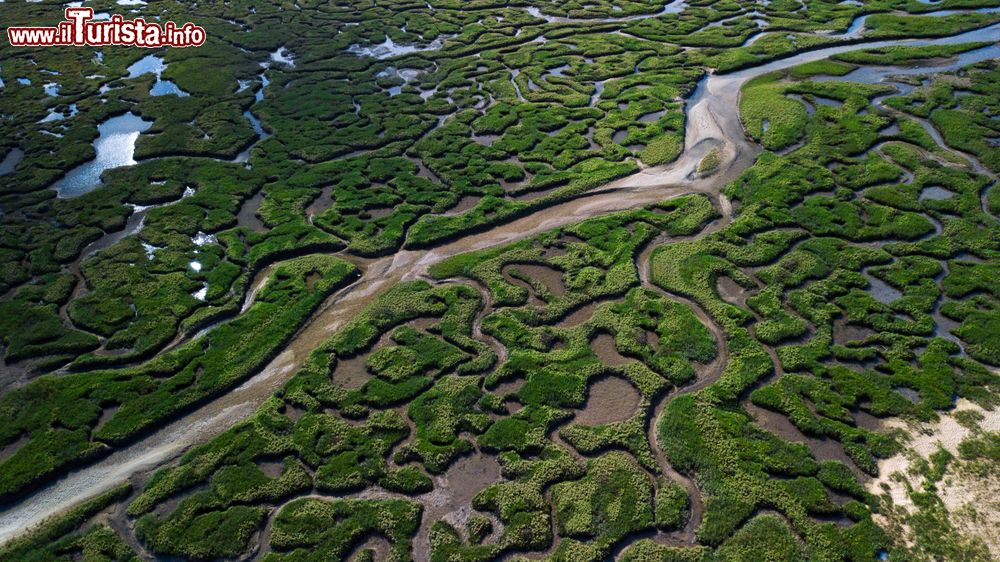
972 501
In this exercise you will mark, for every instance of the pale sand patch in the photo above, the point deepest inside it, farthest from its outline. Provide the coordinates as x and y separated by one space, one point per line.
971 501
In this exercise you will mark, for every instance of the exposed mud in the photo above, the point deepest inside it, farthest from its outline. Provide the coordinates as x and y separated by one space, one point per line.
508 390
550 277
323 202
845 333
867 421
351 373
822 448
248 216
533 297
13 375
378 544
311 280
451 499
464 204
706 375
9 450
578 316
732 292
606 350
609 400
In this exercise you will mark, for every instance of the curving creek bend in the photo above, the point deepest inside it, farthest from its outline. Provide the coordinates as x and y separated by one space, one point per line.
712 122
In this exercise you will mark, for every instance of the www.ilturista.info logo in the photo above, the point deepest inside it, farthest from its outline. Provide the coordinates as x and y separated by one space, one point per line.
80 30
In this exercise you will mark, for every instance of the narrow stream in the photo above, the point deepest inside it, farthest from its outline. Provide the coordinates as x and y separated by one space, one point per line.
674 7
262 134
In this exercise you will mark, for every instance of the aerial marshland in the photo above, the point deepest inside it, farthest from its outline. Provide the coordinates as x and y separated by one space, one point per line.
630 280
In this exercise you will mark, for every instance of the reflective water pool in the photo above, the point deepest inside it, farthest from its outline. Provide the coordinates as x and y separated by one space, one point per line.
115 148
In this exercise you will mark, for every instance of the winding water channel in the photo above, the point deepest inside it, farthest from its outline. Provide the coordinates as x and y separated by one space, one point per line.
712 122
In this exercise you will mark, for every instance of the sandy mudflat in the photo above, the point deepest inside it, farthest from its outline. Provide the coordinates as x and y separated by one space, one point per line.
971 501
